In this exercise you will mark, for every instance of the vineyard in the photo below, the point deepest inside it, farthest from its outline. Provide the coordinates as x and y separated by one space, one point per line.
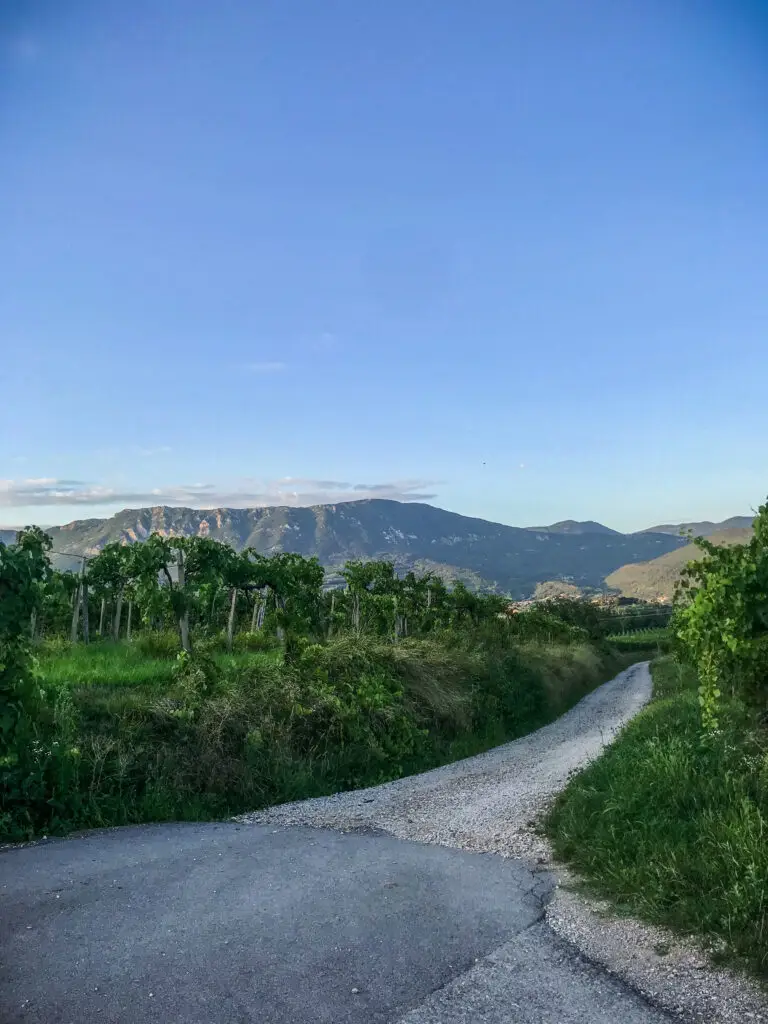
208 593
177 678
651 639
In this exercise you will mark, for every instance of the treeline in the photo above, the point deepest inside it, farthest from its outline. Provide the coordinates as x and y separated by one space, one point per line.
204 588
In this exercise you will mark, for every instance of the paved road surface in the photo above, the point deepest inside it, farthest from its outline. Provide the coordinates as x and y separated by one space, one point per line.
233 923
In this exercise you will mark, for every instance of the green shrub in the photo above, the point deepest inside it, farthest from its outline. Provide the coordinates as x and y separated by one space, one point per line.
260 640
224 735
54 647
721 621
158 643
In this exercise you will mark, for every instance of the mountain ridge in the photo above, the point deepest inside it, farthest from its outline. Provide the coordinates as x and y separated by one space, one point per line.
414 535
704 528
574 526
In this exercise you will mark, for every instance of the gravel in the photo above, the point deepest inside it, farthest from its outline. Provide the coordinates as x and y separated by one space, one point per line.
673 973
486 803
492 803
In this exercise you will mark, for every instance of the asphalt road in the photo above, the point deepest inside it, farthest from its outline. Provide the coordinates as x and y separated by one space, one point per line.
232 923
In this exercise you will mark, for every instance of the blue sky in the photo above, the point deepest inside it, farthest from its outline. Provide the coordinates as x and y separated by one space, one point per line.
509 257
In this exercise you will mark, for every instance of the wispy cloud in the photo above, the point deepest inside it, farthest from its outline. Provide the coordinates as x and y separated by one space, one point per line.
297 491
268 367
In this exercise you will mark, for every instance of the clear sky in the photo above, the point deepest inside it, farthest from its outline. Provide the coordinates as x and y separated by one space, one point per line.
508 255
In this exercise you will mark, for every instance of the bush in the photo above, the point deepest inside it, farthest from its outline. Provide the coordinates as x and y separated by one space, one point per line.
260 640
721 622
54 647
158 644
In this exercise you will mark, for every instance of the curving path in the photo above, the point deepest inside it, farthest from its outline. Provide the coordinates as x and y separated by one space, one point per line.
373 906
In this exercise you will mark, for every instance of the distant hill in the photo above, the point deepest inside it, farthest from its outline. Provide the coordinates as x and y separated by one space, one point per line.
705 529
486 555
8 536
572 526
556 588
655 580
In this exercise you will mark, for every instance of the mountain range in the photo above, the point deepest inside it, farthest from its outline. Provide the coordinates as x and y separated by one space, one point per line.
704 529
485 555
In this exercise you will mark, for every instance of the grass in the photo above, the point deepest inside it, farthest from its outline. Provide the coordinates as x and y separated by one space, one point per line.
131 738
672 826
122 664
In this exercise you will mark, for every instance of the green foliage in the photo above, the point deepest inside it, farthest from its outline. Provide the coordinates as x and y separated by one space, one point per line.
654 640
318 691
24 567
721 623
582 614
671 825
257 641
157 644
216 734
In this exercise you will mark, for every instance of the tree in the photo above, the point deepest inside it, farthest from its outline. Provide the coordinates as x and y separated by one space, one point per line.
238 572
296 583
151 561
110 572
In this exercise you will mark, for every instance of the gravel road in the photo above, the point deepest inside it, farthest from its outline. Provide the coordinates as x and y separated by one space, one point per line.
486 803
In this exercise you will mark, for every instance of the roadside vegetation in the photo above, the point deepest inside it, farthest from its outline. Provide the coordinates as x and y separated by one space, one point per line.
179 679
671 823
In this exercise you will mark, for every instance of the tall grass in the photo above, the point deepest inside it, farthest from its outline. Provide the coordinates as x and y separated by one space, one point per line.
673 825
122 664
216 735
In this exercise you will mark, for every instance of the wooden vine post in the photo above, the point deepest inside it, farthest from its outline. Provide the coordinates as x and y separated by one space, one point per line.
184 617
118 616
80 604
231 619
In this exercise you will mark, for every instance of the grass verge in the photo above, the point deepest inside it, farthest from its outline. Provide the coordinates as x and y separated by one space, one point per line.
672 826
127 742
